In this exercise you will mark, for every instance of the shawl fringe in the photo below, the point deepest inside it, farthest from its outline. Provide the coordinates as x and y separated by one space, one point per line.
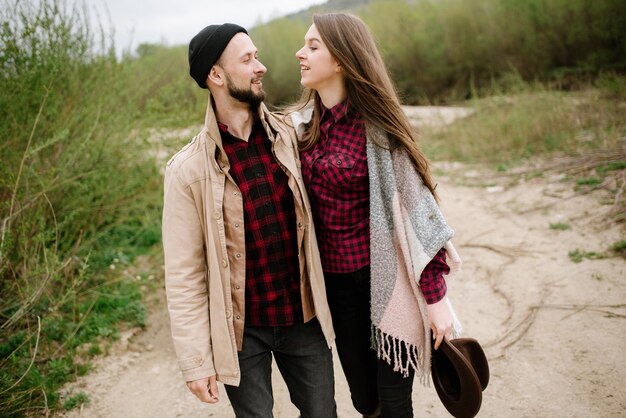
390 349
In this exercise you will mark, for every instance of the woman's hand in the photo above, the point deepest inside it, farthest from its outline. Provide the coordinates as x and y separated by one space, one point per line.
440 320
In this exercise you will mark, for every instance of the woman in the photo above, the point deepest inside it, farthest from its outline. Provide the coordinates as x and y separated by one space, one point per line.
382 237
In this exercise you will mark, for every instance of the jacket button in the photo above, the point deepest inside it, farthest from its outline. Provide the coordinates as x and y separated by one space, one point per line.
237 287
299 224
238 317
224 263
217 214
236 225
227 314
237 255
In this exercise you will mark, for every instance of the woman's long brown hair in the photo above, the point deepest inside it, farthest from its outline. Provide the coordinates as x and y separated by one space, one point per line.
368 86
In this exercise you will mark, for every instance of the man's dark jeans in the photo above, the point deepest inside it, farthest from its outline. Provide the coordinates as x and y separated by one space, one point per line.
373 383
304 361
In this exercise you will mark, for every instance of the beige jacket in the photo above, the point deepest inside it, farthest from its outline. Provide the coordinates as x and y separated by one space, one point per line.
204 246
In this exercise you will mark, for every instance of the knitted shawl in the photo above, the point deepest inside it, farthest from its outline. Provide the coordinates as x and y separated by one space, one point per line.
407 230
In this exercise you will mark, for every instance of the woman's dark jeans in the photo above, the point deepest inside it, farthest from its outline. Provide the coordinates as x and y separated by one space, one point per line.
372 381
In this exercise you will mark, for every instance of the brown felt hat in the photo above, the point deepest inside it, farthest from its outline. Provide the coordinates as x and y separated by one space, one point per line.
460 374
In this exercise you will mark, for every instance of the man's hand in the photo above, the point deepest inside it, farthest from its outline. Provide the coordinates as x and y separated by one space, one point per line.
205 389
440 320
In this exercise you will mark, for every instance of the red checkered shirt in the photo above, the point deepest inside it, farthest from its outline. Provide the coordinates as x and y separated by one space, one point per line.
335 173
272 265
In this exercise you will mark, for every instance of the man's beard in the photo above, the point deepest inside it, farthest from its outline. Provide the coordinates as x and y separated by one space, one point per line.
244 95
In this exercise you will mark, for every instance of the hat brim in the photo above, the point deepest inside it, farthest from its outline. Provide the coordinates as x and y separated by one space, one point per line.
455 380
473 352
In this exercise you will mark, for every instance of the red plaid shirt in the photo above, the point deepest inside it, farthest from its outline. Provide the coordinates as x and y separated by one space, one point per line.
272 265
335 173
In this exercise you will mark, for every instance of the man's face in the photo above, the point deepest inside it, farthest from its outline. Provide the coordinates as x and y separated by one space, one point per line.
243 71
243 94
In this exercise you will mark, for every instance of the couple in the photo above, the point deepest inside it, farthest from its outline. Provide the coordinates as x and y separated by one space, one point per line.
248 201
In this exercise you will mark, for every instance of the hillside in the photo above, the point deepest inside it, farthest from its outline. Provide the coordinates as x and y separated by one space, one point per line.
330 6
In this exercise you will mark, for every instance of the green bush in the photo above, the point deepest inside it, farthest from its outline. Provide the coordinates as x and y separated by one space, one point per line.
456 49
79 192
166 94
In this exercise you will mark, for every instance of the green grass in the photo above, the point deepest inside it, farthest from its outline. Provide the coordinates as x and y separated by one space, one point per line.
604 169
96 316
77 400
502 168
578 255
560 226
94 350
619 247
507 130
588 181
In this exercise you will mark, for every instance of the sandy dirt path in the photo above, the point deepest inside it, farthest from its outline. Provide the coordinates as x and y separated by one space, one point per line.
553 330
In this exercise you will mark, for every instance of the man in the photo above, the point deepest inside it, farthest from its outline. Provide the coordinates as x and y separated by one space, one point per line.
242 269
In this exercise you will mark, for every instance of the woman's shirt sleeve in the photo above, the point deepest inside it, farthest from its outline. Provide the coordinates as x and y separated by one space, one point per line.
432 283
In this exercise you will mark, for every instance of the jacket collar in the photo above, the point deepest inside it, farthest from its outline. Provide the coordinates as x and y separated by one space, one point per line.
269 122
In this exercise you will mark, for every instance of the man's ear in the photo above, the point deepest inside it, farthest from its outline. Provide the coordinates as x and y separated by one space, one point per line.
216 76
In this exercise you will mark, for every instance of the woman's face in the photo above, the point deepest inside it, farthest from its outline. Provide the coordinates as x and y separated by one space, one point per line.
318 68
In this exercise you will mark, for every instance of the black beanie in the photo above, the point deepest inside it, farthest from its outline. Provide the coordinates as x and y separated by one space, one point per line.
206 48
